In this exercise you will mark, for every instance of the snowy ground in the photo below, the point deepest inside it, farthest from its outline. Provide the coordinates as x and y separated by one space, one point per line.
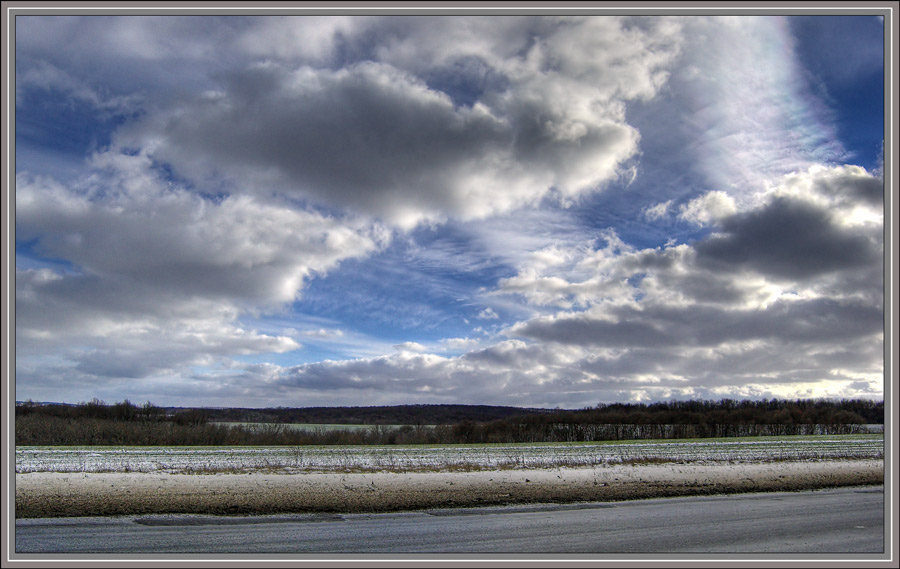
65 494
286 460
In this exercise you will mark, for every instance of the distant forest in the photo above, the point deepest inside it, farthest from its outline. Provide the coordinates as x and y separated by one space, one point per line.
126 423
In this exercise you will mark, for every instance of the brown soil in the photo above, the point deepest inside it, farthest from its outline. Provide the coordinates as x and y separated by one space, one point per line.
89 494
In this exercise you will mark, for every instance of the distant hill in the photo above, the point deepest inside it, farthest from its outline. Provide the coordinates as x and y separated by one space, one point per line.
725 411
379 415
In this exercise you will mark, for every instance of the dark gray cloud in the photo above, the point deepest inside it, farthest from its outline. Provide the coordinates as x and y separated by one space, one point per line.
787 238
819 320
588 330
368 138
852 186
376 140
702 286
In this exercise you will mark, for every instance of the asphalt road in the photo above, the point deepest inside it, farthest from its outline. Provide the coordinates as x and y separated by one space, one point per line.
844 520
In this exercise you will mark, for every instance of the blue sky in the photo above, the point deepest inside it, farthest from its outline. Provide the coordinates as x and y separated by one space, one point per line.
523 210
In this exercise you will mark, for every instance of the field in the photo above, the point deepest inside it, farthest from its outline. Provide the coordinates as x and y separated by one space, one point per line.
110 481
411 458
309 426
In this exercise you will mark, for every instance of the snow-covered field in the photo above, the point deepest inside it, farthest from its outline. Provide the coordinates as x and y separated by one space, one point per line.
76 494
208 460
102 481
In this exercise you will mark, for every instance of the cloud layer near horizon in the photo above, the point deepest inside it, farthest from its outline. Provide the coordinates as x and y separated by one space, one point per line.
362 210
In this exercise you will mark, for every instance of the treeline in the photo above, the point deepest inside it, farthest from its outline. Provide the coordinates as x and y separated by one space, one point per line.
372 415
41 430
766 411
730 411
125 423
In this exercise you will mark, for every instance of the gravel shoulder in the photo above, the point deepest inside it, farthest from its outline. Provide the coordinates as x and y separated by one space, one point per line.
51 494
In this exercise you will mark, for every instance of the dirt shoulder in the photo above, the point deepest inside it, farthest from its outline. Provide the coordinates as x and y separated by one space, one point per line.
89 494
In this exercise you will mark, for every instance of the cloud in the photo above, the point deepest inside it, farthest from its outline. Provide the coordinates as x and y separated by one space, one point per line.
410 347
158 278
377 137
747 114
577 276
854 195
550 374
787 239
708 208
819 320
455 344
657 211
324 333
789 279
487 314
238 249
175 55
46 77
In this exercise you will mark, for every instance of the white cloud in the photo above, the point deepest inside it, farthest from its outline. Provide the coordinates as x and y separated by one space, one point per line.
576 277
708 208
324 333
854 196
712 309
456 344
488 314
755 118
657 211
410 347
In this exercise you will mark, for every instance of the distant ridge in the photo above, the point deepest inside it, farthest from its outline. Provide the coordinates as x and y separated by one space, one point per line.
418 414
414 414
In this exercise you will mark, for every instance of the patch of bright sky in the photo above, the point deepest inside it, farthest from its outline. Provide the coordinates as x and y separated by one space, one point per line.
423 283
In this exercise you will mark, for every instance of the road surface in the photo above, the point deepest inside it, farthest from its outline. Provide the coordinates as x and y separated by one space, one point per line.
843 520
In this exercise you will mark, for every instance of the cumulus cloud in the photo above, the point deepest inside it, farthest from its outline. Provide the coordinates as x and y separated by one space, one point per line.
812 320
813 225
157 278
677 328
239 248
789 276
556 373
379 135
853 195
788 239
577 276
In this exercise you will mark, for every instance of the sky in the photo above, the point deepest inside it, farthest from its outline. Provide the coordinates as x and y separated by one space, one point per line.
358 209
